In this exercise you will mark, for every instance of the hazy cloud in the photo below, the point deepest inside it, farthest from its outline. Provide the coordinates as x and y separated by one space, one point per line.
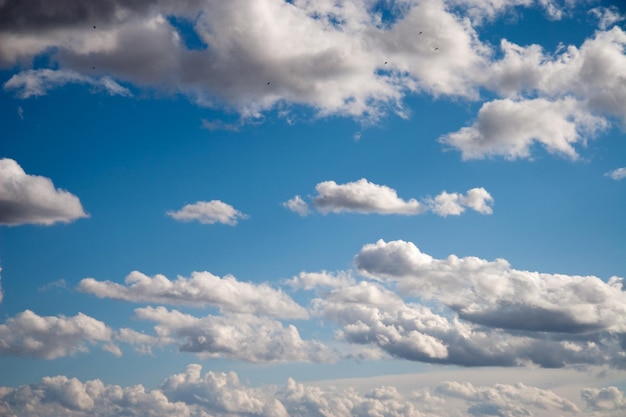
201 289
208 212
494 294
604 399
617 174
33 199
312 280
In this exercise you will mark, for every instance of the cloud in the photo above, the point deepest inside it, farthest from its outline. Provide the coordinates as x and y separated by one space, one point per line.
50 337
370 315
453 204
362 196
312 280
604 399
213 125
208 212
607 16
366 197
328 57
200 290
617 174
504 399
492 293
1 293
240 336
508 128
33 83
33 199
192 393
297 205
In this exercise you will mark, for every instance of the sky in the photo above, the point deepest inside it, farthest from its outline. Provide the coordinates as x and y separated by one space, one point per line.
312 208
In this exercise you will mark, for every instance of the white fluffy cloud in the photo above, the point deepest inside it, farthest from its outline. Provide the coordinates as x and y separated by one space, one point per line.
510 127
494 294
297 205
617 174
193 394
201 289
208 212
239 336
366 197
609 399
362 196
33 199
50 337
371 315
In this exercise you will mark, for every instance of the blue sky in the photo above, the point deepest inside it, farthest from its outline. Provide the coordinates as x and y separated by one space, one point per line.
313 208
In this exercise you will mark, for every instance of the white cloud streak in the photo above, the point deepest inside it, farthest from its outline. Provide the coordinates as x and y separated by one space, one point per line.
34 199
208 212
200 290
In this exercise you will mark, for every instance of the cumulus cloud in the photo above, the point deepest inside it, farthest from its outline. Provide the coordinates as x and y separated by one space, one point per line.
241 336
192 393
370 315
208 212
362 196
50 337
494 294
38 82
617 174
607 16
604 399
366 197
509 128
326 56
201 289
33 199
453 204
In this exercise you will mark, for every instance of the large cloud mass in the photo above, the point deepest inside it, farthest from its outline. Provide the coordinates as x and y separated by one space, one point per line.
33 199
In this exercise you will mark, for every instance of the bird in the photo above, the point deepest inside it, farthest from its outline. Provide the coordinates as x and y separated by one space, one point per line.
436 49
268 83
385 63
420 33
94 26
93 67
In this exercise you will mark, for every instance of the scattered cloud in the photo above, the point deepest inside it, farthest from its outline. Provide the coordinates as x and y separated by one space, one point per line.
297 205
20 112
492 293
366 197
609 399
50 337
201 289
508 128
213 125
34 199
617 174
235 336
60 283
208 212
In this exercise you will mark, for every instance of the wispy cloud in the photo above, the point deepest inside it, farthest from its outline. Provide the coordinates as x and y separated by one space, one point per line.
616 174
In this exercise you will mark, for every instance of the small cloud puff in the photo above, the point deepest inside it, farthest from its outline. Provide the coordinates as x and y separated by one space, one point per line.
208 212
